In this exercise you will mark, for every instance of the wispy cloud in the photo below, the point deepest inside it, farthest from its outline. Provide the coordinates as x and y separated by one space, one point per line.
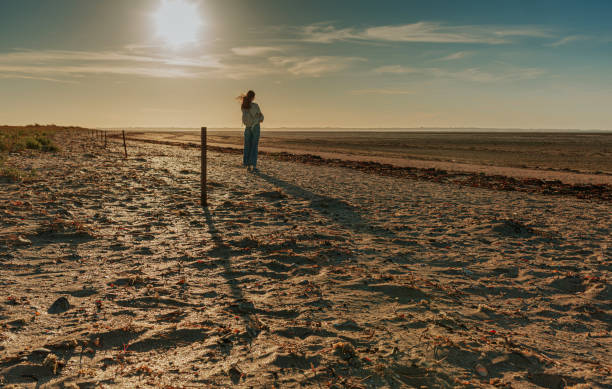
314 66
251 51
395 69
325 33
44 57
54 64
39 78
455 56
242 71
381 91
473 74
60 66
423 32
483 76
568 39
76 70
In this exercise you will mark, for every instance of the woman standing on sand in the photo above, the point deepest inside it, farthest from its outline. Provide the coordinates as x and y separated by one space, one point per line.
251 118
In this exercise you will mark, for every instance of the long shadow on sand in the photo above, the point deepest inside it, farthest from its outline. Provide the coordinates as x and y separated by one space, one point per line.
224 256
241 305
337 211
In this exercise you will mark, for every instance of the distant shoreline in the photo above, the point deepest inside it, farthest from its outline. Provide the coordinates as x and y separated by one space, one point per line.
575 158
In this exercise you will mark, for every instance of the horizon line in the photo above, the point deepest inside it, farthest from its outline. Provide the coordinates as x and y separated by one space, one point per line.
478 128
369 128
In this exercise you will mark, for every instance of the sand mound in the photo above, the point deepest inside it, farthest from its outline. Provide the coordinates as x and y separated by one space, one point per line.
512 228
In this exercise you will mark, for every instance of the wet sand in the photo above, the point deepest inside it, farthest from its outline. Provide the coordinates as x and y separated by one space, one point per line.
298 276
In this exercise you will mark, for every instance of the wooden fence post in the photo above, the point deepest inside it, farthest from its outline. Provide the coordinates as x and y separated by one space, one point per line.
204 197
124 145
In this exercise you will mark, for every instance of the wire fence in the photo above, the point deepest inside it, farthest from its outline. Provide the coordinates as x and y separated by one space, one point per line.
104 135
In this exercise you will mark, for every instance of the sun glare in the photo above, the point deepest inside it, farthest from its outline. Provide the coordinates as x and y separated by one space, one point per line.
178 22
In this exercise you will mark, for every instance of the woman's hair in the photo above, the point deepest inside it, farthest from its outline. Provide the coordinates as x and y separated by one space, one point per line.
246 99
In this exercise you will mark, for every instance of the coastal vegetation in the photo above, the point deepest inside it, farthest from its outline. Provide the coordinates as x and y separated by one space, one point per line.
33 138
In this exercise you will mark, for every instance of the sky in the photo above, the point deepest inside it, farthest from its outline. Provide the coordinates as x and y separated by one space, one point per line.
316 63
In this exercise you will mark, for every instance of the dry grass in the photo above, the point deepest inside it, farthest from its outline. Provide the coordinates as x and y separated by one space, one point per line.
17 139
14 139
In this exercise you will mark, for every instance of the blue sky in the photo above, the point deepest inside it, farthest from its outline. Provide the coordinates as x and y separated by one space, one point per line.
505 64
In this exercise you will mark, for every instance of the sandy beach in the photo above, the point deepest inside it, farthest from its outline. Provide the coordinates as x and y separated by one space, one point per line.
304 274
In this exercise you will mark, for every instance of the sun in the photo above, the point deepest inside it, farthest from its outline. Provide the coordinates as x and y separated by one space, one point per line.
177 22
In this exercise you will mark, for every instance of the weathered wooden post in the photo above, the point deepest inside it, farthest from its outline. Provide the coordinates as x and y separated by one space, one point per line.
124 145
105 136
204 197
